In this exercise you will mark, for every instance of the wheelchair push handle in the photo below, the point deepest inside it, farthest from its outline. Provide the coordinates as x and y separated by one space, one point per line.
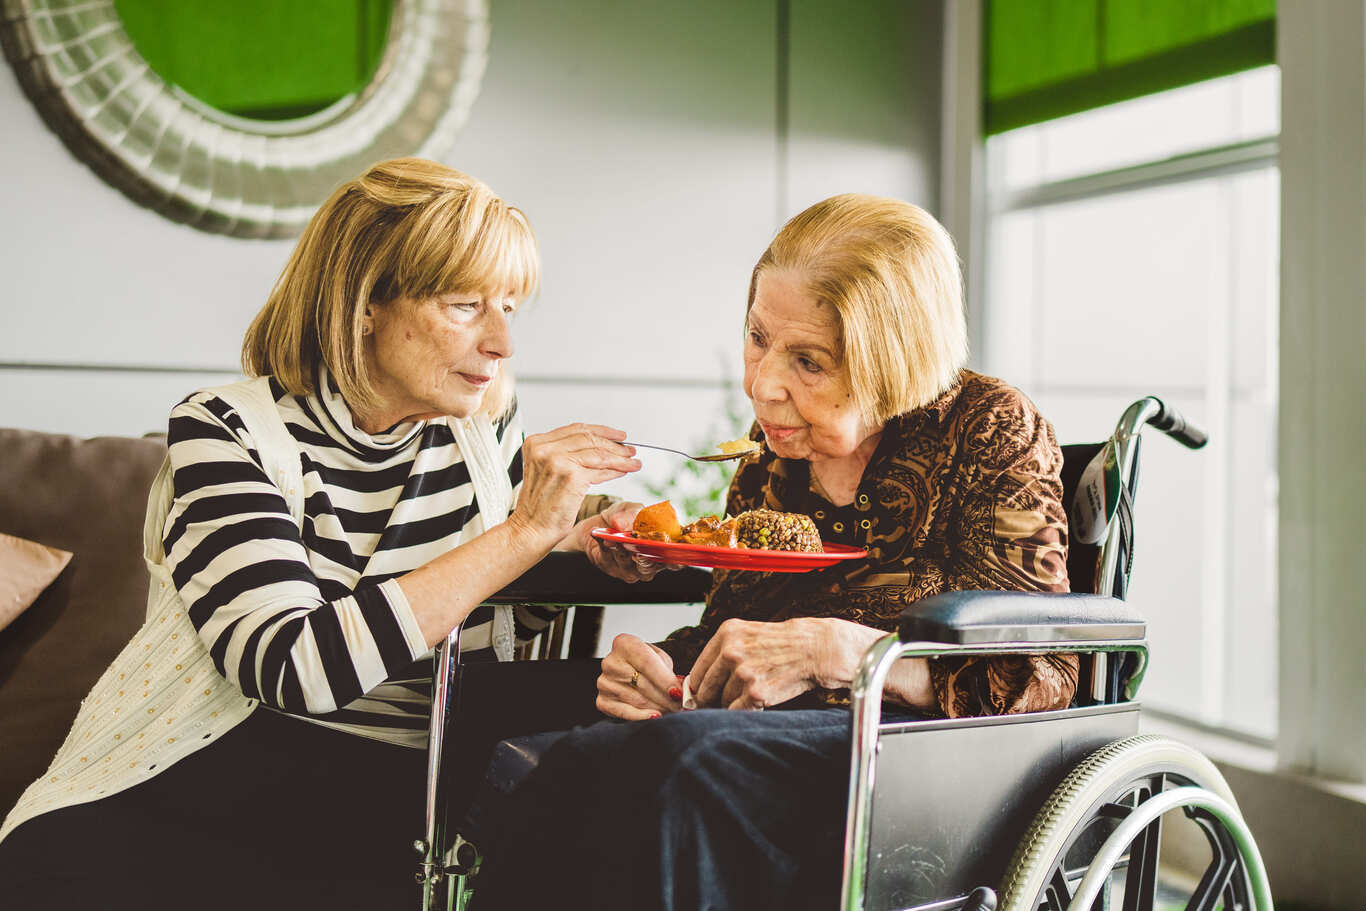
1174 424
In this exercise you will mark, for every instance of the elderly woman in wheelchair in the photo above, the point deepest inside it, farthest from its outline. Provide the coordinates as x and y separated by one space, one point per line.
854 349
953 482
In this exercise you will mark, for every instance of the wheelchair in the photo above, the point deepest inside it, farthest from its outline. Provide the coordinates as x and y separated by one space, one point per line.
1050 811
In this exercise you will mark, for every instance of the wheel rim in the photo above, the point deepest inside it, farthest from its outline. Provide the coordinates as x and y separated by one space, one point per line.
1048 870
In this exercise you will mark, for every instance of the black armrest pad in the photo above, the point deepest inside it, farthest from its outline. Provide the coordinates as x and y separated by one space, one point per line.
563 578
977 618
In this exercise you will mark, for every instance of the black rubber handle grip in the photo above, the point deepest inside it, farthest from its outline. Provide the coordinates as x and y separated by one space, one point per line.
1173 424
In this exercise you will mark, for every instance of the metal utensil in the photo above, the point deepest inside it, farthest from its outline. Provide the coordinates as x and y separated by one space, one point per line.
712 457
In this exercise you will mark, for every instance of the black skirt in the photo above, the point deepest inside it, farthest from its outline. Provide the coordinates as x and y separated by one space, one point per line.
283 814
279 813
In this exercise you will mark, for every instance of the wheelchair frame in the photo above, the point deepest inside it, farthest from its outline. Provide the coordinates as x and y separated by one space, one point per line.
971 623
869 737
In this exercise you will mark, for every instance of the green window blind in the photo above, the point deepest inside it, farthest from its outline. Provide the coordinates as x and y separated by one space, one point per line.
1048 58
265 59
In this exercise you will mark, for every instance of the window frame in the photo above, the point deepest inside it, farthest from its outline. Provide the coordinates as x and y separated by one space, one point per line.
1202 165
1321 48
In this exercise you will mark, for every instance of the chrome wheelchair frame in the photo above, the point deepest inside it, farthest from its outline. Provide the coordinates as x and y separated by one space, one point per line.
1073 780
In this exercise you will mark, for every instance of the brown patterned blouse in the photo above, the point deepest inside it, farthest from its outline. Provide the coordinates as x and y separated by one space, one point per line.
962 494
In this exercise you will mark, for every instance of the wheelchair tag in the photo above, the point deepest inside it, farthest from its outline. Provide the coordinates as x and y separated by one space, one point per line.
1097 497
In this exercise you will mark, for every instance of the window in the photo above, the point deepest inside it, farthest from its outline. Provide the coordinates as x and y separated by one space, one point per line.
1133 250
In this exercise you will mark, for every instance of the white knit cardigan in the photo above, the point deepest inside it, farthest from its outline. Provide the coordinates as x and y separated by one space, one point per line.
162 698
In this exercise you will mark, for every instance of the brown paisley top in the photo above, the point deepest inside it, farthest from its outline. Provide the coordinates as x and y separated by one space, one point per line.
962 494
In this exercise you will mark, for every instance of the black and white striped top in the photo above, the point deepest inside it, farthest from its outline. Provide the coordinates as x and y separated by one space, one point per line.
310 621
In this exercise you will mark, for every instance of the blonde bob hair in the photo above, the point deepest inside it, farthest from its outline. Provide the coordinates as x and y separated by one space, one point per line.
405 228
891 273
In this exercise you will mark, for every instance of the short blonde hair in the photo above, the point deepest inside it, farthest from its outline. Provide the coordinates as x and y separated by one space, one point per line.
405 228
891 273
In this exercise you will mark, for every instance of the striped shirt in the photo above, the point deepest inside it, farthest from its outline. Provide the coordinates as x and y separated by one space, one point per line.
310 620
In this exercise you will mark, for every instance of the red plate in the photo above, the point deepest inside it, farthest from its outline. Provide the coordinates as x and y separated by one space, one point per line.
773 561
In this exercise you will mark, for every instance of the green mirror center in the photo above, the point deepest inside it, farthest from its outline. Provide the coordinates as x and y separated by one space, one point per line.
262 59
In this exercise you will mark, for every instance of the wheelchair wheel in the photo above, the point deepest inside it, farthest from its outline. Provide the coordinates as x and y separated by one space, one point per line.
1095 843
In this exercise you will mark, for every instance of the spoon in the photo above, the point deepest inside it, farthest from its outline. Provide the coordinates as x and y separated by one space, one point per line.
711 457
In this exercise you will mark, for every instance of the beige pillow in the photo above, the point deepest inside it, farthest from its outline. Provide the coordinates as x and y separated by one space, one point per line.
26 569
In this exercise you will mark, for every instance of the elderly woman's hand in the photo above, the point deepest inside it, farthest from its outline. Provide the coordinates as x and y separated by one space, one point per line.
559 467
751 664
609 557
637 681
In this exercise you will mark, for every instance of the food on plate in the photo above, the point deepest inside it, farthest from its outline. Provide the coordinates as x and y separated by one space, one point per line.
710 530
765 529
657 523
758 529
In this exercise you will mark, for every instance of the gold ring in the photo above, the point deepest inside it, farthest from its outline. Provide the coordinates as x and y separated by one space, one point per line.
635 678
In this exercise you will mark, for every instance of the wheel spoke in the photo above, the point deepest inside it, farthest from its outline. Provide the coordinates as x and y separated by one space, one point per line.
1218 876
1235 895
1115 811
1059 892
1140 885
1211 888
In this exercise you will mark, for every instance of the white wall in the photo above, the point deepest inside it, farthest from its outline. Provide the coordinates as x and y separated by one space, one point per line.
656 146
645 141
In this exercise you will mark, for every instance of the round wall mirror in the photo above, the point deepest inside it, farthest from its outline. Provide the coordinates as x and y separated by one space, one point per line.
240 118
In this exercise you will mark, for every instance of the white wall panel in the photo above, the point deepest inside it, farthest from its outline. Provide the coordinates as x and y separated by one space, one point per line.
864 101
96 402
91 277
642 139
639 139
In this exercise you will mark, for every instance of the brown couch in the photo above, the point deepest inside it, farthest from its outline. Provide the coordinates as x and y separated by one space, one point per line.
87 497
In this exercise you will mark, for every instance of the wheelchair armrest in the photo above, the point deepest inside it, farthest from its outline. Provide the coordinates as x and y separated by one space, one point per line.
565 578
986 617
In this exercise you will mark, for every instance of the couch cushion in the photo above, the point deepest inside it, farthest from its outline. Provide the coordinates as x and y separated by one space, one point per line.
87 497
26 569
